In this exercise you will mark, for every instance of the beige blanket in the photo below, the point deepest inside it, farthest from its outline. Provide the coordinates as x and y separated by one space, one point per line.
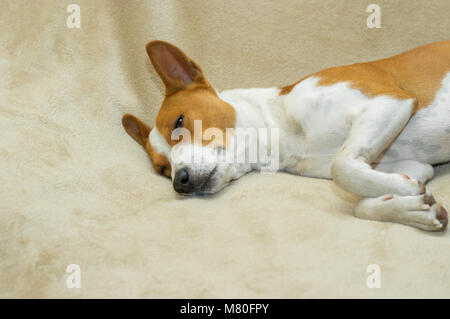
76 189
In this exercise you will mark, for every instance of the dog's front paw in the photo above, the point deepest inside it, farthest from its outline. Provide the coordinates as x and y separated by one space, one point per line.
419 211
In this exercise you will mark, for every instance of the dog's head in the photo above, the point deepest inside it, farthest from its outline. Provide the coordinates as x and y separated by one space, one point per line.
190 157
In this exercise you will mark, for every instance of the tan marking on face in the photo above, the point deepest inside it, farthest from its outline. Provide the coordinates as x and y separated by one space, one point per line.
140 131
195 104
417 73
160 162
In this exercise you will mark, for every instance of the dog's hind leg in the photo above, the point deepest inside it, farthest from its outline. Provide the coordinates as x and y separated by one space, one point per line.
389 194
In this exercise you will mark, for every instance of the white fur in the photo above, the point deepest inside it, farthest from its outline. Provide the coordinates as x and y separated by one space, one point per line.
159 143
422 172
375 128
426 138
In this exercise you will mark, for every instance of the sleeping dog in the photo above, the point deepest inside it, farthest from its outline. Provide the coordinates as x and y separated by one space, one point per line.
375 128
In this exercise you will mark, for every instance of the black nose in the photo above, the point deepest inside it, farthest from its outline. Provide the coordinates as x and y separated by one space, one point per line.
183 182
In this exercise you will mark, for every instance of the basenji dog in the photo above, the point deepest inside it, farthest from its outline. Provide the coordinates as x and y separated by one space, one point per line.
376 129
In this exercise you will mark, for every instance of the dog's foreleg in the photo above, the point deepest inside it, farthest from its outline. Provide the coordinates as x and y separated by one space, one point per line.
419 211
422 172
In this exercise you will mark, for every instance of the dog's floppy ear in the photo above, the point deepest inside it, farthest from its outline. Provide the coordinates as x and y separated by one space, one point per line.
136 128
175 68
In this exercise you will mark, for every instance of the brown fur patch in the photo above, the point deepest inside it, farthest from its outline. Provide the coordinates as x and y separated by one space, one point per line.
139 131
417 73
175 68
160 162
195 104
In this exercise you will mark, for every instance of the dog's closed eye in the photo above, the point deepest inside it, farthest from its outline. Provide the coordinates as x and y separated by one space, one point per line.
178 122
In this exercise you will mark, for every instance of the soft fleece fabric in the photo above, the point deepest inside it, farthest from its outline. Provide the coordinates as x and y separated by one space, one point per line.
76 189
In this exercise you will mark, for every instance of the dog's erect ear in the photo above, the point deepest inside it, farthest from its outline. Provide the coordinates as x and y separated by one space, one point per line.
175 68
136 128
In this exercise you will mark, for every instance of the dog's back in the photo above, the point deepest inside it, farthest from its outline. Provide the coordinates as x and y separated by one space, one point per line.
420 71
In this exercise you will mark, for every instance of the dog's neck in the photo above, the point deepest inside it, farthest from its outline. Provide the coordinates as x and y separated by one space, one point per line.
259 109
255 108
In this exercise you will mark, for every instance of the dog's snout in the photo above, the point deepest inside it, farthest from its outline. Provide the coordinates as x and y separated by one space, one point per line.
183 182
